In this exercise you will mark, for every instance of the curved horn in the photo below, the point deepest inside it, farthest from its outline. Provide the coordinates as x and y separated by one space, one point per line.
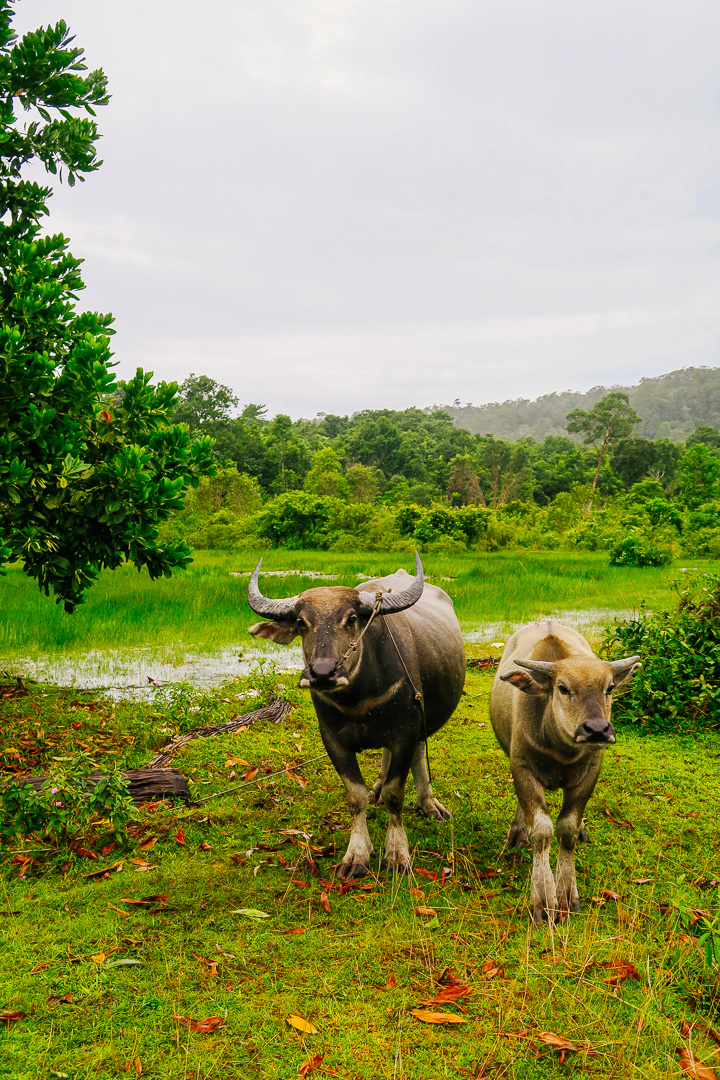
392 602
262 605
538 667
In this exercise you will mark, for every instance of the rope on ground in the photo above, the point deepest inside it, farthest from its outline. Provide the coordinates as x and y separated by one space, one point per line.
259 779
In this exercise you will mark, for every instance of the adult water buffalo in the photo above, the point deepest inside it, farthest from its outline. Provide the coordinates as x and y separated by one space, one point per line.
385 667
554 732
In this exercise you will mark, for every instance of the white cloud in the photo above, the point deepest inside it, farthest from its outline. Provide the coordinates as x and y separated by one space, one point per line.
329 202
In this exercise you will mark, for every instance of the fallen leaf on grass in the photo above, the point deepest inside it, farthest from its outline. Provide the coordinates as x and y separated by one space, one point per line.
622 969
294 776
558 1042
297 930
491 968
212 965
209 1024
107 849
449 994
425 911
299 882
180 837
103 870
428 1017
124 963
158 898
98 958
7 1017
615 821
325 903
151 841
608 894
690 1064
642 881
83 852
65 998
250 913
300 1024
426 873
310 1065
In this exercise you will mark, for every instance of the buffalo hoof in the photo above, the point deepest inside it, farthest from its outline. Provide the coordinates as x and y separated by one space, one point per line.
351 868
583 837
432 808
516 838
398 865
374 795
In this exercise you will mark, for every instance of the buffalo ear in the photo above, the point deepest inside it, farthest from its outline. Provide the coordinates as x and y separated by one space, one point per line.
282 633
524 681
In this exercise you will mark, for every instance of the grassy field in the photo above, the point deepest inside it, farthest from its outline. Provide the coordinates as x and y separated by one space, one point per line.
205 606
102 981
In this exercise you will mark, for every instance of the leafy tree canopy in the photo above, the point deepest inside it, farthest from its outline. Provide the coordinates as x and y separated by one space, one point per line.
88 470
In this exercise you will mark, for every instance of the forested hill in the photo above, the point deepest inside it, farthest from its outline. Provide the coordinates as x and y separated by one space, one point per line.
671 407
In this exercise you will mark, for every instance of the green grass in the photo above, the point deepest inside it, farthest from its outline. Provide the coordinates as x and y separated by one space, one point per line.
357 972
205 606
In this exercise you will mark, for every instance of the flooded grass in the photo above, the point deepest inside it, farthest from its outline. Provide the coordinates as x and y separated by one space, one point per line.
193 627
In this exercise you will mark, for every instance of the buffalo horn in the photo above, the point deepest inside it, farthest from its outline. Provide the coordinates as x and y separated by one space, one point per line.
392 602
621 667
262 605
539 667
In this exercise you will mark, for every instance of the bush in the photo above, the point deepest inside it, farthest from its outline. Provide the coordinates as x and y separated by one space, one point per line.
678 686
67 808
637 549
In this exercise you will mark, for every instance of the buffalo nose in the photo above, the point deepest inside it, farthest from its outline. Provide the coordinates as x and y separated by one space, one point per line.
322 668
596 729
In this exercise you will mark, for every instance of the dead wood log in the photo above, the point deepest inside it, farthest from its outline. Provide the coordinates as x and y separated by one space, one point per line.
143 784
275 712
484 663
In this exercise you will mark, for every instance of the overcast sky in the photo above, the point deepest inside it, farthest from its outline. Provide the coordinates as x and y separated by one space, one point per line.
343 204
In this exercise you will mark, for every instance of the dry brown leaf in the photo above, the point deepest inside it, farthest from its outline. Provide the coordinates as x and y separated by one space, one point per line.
101 871
690 1064
426 873
559 1042
449 994
300 1024
324 902
210 1023
8 1017
180 837
310 1065
297 930
425 911
211 965
608 894
429 1017
148 843
99 958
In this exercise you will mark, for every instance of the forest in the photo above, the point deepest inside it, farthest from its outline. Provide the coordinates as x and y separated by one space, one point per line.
391 480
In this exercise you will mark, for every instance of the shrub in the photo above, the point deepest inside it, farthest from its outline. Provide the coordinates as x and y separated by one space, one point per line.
678 686
637 549
67 807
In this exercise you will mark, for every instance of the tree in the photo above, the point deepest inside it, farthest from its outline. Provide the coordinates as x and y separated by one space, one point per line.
610 419
463 487
325 475
699 473
87 473
203 402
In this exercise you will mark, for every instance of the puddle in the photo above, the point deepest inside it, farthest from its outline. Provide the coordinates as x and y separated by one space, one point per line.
136 673
316 575
591 622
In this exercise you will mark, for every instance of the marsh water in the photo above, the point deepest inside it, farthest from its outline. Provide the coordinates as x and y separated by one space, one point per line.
138 672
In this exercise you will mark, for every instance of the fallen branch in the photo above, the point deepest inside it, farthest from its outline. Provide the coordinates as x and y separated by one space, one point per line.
275 712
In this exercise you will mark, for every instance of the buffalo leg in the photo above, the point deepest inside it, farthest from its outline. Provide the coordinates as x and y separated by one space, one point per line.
377 786
356 862
397 852
569 830
531 797
517 833
426 803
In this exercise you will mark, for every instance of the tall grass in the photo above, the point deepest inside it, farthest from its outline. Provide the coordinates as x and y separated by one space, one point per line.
205 605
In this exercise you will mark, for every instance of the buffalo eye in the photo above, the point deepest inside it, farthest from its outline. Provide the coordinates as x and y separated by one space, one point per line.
302 623
563 690
610 689
351 620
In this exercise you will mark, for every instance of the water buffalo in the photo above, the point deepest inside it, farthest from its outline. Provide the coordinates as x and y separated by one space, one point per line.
372 692
554 733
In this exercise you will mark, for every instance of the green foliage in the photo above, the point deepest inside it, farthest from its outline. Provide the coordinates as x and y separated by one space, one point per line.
678 687
699 472
637 549
298 520
85 481
609 420
67 807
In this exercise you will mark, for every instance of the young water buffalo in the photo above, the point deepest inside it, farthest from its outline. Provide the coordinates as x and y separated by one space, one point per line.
364 688
554 732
